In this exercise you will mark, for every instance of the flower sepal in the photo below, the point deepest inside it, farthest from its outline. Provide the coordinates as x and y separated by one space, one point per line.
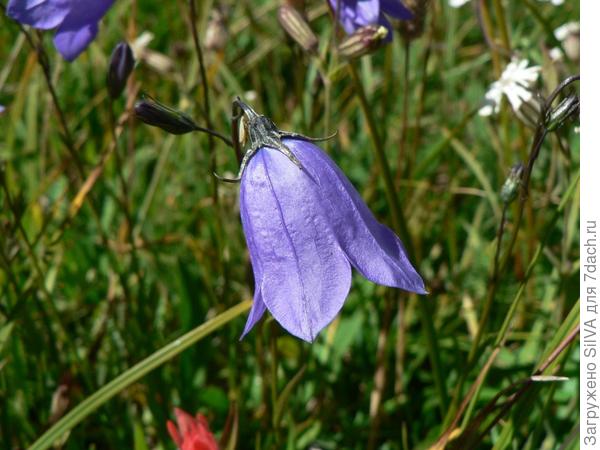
260 131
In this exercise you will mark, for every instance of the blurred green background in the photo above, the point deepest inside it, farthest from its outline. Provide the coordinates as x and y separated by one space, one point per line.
92 284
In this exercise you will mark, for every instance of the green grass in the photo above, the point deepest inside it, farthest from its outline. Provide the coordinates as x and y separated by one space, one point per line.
94 282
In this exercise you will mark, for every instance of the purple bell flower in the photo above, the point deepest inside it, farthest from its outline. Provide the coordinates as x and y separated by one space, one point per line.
354 14
305 226
76 20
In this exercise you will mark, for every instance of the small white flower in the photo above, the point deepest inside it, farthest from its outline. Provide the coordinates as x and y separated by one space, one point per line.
515 82
566 30
555 54
457 3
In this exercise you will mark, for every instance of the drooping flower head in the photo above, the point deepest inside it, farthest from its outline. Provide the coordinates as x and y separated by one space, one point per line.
76 21
306 226
191 433
354 14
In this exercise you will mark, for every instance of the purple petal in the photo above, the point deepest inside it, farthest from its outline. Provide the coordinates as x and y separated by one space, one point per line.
354 14
84 13
42 14
372 248
80 27
396 9
256 312
258 306
305 275
71 41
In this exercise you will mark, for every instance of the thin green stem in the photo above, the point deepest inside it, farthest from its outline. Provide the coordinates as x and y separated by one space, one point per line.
405 161
502 25
397 215
211 144
401 227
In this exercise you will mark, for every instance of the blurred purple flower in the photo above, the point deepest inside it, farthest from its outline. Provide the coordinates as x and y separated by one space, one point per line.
354 14
306 225
76 20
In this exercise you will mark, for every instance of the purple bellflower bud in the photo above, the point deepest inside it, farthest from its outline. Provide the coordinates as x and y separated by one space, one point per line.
158 115
76 21
306 226
120 67
354 14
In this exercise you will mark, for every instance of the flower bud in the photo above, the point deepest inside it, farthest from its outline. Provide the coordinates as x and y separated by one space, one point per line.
297 28
158 115
365 40
510 188
119 69
565 110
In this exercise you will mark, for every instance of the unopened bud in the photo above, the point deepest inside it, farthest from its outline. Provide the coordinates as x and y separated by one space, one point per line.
565 110
364 40
158 115
119 69
297 28
510 188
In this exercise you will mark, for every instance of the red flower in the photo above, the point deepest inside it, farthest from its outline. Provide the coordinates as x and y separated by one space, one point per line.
191 433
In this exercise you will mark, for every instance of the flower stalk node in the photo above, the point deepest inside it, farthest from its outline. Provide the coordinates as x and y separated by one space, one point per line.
261 132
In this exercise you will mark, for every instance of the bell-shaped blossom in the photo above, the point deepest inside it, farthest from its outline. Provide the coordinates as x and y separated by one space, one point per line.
516 83
306 226
191 433
76 21
354 14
